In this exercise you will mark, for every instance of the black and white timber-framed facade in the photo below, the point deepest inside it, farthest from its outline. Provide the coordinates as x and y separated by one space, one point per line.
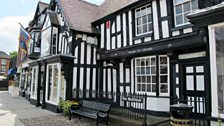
144 46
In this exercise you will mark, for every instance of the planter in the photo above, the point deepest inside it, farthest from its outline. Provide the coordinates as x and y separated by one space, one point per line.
13 90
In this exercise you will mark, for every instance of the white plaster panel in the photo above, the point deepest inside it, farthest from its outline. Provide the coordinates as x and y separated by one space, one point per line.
137 41
121 73
130 27
82 52
147 39
87 78
155 20
163 8
188 30
124 30
113 42
165 29
109 79
158 104
88 60
118 19
81 78
102 36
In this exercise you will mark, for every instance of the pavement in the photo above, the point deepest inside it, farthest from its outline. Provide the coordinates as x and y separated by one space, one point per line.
14 108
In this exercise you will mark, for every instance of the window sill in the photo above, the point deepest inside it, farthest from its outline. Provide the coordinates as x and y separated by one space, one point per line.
182 27
143 36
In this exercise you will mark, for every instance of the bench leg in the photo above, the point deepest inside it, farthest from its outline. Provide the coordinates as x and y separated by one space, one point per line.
97 122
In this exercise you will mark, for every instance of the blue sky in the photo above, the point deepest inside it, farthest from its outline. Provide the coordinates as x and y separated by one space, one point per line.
12 12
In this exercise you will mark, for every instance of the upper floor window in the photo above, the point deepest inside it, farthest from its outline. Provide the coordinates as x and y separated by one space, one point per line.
3 62
182 8
2 69
143 20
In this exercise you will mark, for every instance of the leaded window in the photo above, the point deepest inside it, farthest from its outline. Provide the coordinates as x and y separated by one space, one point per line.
182 8
143 19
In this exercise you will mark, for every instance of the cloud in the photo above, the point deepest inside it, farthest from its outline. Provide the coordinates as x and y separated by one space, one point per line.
9 31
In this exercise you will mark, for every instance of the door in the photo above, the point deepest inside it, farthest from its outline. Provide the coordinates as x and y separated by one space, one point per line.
195 87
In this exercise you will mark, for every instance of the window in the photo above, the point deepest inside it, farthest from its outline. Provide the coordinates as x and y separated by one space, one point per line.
143 20
163 75
53 83
34 82
3 69
182 8
147 76
3 61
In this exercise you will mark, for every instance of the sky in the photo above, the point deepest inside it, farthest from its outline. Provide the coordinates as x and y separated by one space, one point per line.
13 12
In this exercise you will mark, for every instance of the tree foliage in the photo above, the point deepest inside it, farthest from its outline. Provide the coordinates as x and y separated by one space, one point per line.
13 54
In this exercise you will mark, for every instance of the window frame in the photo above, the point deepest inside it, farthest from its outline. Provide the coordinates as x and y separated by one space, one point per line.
136 83
147 23
58 84
4 62
183 13
34 96
3 69
168 76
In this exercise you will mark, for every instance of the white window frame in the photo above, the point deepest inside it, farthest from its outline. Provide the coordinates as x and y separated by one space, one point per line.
136 26
59 83
3 69
148 93
213 70
168 77
174 9
32 82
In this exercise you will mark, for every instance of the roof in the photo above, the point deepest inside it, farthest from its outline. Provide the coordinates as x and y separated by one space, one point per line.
110 6
4 55
42 6
79 14
53 17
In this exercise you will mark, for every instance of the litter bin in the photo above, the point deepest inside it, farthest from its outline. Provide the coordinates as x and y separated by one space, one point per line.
181 115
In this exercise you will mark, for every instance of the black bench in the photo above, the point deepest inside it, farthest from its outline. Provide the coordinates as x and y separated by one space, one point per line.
94 110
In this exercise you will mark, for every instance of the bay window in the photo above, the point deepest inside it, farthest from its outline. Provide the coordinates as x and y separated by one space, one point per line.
143 20
147 75
182 8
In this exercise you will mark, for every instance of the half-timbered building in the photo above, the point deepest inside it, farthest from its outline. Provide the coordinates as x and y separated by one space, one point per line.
125 46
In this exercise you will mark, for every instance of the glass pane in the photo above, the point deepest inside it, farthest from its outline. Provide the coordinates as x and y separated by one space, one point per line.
179 19
187 7
144 19
163 70
138 79
200 83
139 30
148 87
163 60
150 27
55 85
149 10
200 69
142 70
147 70
147 61
153 88
148 79
149 17
143 62
139 22
138 62
143 11
49 82
163 88
138 70
179 9
194 4
144 79
153 79
189 69
143 87
190 82
144 28
153 70
178 1
138 14
138 87
164 79
185 17
219 39
153 61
